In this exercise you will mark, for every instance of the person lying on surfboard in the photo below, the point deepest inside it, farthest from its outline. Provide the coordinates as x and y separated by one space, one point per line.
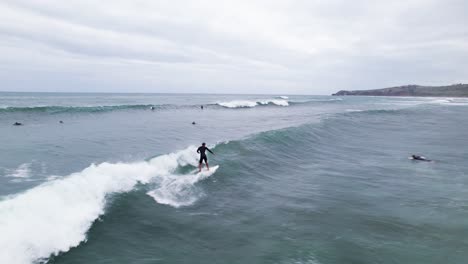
202 149
421 158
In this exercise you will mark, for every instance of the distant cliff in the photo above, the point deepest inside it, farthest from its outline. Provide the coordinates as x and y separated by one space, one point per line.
455 90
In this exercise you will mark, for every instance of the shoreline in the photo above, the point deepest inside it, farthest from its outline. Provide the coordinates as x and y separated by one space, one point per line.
455 91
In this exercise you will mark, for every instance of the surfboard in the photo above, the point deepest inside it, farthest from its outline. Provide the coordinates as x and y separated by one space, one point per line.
411 158
207 173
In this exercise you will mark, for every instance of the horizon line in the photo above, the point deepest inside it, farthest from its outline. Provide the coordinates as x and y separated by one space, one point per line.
167 93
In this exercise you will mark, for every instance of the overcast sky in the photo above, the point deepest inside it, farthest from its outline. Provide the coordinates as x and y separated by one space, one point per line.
252 46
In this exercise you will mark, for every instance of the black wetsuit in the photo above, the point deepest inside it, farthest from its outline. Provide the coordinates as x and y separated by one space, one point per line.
202 151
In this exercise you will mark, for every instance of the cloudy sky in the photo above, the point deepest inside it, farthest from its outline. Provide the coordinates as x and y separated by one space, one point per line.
221 46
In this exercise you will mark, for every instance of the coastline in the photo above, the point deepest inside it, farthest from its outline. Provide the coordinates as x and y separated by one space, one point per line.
455 90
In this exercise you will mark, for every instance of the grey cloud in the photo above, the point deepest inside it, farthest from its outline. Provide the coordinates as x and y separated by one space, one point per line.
300 46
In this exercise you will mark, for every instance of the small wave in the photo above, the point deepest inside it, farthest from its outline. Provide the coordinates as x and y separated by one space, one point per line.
76 109
55 216
327 100
283 97
377 112
450 101
354 110
317 101
250 104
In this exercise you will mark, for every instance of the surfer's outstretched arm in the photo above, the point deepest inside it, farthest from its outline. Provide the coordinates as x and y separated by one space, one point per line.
210 151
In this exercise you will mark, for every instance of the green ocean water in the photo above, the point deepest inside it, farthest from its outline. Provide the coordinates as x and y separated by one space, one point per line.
303 179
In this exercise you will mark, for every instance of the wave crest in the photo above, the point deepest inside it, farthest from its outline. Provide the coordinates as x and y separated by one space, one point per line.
55 216
52 109
250 104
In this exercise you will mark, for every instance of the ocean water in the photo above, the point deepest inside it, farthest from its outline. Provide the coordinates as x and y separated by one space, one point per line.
301 179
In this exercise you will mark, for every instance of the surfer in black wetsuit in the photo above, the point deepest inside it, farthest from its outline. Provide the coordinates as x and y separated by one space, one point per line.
202 149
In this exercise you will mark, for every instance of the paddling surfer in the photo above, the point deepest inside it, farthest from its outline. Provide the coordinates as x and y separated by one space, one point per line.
202 149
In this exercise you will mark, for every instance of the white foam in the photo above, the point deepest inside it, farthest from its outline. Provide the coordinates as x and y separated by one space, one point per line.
23 171
450 101
440 101
275 102
430 100
250 104
55 216
238 104
179 190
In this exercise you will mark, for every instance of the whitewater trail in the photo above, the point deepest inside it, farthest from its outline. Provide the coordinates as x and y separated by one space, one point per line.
178 190
55 216
23 171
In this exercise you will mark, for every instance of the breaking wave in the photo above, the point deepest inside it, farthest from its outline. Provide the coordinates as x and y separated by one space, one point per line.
55 216
57 109
250 104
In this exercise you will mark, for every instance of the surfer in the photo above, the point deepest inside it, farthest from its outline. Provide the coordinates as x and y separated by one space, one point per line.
201 107
202 149
421 158
18 124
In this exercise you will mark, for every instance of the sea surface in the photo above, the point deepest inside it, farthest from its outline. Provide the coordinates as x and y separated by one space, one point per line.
301 179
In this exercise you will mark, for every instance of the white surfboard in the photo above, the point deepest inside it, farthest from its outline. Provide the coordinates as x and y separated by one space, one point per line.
204 173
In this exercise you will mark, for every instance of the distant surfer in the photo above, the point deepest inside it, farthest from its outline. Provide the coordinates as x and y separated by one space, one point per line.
18 124
152 108
202 149
193 123
421 158
201 107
